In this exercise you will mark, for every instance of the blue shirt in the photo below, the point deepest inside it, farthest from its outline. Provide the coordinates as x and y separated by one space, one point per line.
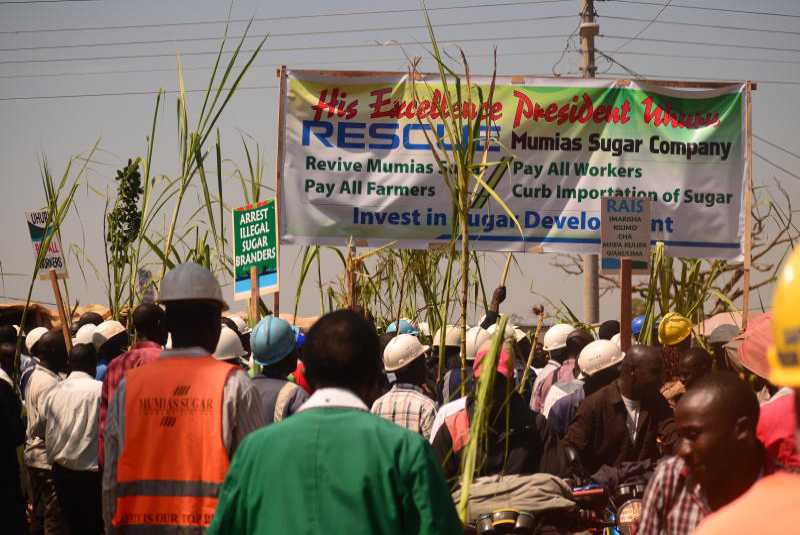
563 411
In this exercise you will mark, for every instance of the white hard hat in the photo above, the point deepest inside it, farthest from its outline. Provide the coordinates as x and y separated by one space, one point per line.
476 336
617 340
190 282
512 332
229 347
105 332
401 351
452 337
556 336
241 325
598 356
424 329
84 334
33 337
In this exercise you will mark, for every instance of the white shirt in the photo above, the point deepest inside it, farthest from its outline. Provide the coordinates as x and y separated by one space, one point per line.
40 382
634 409
541 373
445 411
333 397
69 421
558 391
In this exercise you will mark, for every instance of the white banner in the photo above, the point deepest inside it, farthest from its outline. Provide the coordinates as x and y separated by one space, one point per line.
357 163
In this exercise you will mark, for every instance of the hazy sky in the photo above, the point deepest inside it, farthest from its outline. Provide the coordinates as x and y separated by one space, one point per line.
63 64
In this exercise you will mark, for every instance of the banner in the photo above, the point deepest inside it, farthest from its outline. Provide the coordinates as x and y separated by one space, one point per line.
356 162
255 244
54 257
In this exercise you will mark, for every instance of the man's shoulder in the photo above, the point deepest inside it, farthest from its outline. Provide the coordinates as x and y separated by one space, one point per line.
341 422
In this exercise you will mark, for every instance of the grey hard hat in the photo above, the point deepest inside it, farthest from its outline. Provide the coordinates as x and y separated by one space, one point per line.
190 282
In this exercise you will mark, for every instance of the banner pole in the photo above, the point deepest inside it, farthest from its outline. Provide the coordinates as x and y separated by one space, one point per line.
626 295
60 305
748 204
276 297
254 295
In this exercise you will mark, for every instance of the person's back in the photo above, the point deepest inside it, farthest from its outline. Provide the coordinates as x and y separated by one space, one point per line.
350 472
274 346
334 467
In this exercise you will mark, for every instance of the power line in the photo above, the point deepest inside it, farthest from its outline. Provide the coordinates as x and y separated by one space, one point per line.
392 43
718 58
255 65
705 43
127 93
704 8
287 17
285 49
699 25
387 60
290 34
640 32
13 2
776 166
776 146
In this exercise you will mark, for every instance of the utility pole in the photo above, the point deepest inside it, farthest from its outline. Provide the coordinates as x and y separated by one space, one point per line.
591 288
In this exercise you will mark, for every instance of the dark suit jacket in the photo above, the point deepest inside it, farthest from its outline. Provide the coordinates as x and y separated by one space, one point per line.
600 433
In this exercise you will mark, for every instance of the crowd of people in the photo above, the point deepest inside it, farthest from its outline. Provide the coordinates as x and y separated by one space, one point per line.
188 421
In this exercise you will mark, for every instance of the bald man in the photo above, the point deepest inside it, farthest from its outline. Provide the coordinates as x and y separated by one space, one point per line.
626 420
718 457
693 365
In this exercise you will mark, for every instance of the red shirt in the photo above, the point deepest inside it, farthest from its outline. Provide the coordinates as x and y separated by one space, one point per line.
139 354
776 428
770 506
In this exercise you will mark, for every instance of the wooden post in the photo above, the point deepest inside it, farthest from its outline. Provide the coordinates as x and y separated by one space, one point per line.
626 294
279 154
253 296
748 204
61 311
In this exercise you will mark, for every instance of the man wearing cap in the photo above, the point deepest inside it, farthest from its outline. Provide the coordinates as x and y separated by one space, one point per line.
274 345
561 381
598 365
333 467
51 350
229 347
174 424
28 364
149 321
770 506
406 404
627 420
111 340
526 446
555 343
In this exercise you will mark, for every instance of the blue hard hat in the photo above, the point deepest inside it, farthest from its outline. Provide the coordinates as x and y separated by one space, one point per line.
299 337
272 340
405 328
636 325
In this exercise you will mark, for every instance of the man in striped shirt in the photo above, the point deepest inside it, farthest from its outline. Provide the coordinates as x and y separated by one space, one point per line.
406 404
718 457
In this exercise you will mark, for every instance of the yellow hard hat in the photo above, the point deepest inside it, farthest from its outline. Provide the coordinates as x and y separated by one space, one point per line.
784 356
673 329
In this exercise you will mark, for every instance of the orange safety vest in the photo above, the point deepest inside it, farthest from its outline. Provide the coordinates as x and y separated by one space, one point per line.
458 426
173 460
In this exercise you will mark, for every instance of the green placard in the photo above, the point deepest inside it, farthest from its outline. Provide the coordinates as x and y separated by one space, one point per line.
255 244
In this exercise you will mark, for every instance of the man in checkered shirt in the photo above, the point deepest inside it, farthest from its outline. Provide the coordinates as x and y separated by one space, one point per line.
718 457
406 404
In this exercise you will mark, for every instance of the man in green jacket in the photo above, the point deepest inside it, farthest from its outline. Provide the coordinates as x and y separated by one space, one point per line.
333 467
